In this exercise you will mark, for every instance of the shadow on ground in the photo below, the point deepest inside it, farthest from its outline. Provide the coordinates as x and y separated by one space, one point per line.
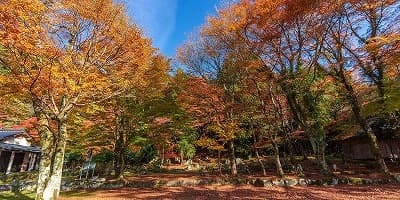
389 191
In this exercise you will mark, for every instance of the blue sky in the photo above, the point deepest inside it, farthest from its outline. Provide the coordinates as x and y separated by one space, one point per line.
168 22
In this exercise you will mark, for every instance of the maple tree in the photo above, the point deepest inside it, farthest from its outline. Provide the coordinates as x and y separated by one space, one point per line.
65 54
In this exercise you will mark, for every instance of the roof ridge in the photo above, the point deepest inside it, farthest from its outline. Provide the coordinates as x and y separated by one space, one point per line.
1 129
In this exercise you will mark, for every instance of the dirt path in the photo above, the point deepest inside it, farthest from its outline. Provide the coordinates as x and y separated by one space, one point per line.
381 192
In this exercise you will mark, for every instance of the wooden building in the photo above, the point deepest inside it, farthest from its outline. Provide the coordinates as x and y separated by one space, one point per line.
16 152
359 148
353 143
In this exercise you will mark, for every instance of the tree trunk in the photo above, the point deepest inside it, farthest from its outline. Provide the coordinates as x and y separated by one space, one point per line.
324 166
258 157
375 149
162 154
219 163
319 146
278 164
182 158
261 163
290 149
51 163
256 150
356 108
119 154
233 158
303 152
322 146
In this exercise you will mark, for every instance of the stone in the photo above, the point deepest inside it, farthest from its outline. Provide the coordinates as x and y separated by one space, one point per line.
197 166
335 181
5 187
302 182
101 179
173 183
344 181
367 181
279 182
267 183
190 182
397 177
291 182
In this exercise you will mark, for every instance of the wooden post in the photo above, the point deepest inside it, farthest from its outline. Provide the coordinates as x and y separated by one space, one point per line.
25 162
10 162
32 162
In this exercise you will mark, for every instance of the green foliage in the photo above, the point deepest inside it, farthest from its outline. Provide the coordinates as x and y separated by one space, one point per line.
144 155
104 156
187 148
73 156
243 142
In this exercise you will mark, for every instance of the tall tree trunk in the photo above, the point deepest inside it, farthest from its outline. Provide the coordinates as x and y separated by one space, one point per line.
321 155
219 163
232 158
356 108
266 114
324 165
119 154
52 158
182 158
303 152
163 154
290 149
278 164
261 162
319 146
258 156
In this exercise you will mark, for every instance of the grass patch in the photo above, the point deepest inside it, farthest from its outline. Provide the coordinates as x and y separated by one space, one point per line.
355 181
17 195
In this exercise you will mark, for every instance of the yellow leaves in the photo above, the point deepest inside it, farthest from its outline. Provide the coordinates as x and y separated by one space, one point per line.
84 50
20 23
209 143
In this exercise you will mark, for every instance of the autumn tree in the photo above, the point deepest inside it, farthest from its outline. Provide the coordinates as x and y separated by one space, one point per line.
206 57
342 63
65 54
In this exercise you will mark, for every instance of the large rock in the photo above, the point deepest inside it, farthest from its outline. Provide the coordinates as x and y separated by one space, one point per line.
302 182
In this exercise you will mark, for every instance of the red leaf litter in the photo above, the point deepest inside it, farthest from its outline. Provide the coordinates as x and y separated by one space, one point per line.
341 192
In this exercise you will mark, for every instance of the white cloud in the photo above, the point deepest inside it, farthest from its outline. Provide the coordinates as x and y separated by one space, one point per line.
156 17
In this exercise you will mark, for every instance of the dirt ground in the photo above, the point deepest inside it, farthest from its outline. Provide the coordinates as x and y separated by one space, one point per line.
381 192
